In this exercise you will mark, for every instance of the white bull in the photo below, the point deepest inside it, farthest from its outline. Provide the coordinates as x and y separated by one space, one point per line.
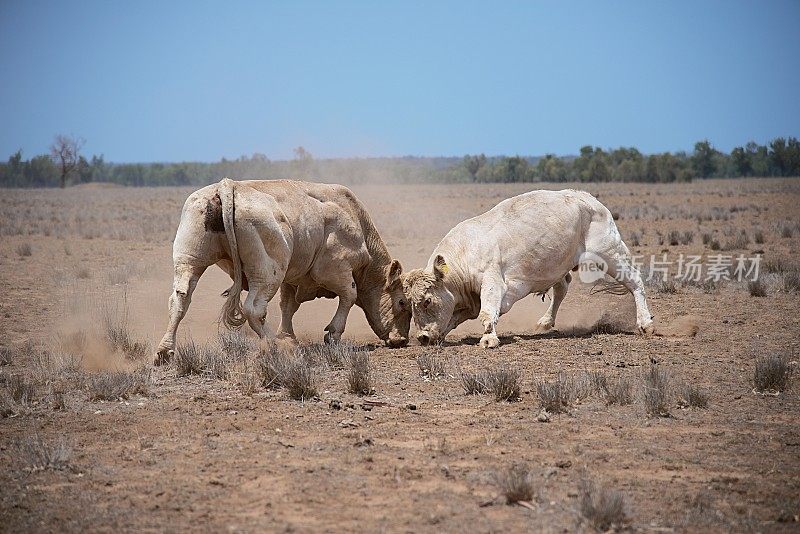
526 244
310 240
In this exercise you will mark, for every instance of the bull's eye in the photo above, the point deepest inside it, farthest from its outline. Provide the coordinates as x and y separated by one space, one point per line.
402 303
426 303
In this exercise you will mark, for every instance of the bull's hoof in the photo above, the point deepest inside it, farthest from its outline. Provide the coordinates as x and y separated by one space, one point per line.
647 329
163 357
331 338
544 325
489 341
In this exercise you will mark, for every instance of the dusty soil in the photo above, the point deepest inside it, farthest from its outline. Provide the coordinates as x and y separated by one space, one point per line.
198 454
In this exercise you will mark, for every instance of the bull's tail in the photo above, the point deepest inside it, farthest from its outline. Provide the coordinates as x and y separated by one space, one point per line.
232 316
611 287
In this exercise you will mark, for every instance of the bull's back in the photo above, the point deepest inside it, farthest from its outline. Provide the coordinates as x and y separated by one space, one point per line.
535 232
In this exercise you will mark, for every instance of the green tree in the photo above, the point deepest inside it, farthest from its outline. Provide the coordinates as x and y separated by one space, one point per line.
704 159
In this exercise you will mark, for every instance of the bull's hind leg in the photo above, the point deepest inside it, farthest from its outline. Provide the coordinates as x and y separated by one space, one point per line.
255 306
186 277
548 320
620 267
289 307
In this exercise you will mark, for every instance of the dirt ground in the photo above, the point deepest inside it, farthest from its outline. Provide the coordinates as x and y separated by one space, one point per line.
195 453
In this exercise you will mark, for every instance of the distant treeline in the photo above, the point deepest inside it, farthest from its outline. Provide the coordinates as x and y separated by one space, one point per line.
781 157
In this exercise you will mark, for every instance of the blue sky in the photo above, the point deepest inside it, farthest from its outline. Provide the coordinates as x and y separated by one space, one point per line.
175 81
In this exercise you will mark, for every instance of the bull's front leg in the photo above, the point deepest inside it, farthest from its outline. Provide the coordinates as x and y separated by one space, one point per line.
493 290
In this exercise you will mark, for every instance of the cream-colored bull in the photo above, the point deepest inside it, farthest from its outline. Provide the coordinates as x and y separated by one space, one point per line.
308 240
526 244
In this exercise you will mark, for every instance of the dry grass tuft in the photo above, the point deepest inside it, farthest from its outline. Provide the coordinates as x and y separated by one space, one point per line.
791 281
24 250
116 385
505 383
656 391
474 382
431 363
359 377
118 335
516 484
757 288
235 344
557 396
772 373
601 508
6 356
300 380
333 355
37 455
20 389
189 359
620 391
691 396
273 364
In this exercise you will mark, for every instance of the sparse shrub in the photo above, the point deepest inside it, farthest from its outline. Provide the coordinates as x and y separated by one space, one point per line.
656 391
190 359
431 363
245 373
791 281
83 273
235 344
598 381
772 373
714 245
115 385
24 250
620 392
516 484
757 288
635 239
557 396
474 383
777 265
786 232
359 378
661 284
504 383
738 242
273 364
118 335
6 356
691 396
300 380
710 285
38 455
21 389
335 355
602 508
758 237
707 238
687 238
674 237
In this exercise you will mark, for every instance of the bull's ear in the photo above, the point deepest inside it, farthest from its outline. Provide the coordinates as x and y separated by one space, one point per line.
393 278
440 267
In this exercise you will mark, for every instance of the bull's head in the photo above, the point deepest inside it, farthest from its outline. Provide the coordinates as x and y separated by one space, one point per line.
394 308
432 304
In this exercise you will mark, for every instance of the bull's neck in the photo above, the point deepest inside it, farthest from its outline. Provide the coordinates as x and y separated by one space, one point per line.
370 283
